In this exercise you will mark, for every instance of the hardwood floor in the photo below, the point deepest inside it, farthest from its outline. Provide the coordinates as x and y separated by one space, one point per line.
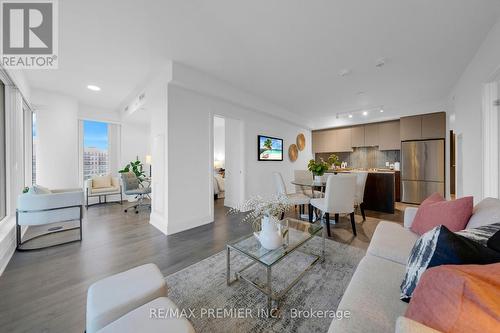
45 291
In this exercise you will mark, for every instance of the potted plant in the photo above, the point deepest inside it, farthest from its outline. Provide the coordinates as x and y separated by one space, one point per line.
265 215
136 168
334 161
318 169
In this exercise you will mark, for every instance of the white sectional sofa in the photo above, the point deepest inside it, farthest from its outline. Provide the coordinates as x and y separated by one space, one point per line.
372 296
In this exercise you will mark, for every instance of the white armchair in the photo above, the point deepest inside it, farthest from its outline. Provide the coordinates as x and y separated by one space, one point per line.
102 186
37 209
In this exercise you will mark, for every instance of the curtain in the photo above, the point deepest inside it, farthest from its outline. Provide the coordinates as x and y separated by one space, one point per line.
114 148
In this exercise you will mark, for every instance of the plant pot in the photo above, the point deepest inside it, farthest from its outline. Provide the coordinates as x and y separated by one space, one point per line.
319 179
270 235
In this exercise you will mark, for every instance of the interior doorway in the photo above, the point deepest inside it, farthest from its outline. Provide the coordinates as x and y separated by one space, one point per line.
228 162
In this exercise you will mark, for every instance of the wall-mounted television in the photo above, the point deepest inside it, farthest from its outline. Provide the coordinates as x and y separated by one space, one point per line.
269 148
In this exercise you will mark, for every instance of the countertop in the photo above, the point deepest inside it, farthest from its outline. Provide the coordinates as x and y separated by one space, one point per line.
386 171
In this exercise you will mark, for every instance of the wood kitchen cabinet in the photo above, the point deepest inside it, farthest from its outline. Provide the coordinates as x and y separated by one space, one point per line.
371 135
389 137
385 136
411 128
332 140
427 126
358 136
320 142
343 140
434 125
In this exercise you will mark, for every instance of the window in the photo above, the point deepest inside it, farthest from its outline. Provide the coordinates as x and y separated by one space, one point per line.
3 183
95 149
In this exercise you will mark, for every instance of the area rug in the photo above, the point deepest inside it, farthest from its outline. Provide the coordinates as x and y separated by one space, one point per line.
211 305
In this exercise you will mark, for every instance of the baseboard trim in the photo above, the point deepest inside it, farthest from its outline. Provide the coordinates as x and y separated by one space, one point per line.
159 222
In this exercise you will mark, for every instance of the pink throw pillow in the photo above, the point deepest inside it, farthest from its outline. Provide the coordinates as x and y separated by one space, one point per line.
435 210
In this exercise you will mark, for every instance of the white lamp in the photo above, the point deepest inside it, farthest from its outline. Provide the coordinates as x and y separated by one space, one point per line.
218 164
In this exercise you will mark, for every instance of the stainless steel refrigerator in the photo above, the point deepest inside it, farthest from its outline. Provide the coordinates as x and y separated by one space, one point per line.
422 169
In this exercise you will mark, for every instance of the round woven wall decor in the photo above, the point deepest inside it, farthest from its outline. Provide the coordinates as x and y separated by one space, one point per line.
301 141
293 152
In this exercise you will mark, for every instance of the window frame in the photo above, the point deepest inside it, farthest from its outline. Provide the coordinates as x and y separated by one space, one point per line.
3 153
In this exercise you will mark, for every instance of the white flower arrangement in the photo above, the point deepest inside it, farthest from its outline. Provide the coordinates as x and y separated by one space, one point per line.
260 207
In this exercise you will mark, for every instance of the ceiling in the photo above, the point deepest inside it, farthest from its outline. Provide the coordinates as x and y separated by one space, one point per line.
289 52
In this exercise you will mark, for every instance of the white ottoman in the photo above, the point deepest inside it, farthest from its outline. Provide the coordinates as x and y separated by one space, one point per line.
115 296
141 320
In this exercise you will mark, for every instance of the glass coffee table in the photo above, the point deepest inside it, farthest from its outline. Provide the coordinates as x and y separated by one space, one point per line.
296 234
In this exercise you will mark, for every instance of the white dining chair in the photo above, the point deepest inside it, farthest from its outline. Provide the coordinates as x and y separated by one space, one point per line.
299 199
339 199
361 177
306 176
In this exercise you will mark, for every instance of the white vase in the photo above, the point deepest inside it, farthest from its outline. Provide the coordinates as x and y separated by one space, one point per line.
270 235
318 179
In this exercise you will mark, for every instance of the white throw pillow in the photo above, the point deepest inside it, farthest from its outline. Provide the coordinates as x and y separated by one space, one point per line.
485 212
101 181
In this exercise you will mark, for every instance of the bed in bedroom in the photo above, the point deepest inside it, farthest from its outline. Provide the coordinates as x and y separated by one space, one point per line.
218 186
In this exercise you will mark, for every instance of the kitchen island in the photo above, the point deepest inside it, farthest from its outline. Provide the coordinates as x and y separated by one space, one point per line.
381 190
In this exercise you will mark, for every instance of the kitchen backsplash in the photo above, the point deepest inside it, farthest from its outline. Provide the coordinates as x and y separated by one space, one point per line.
366 157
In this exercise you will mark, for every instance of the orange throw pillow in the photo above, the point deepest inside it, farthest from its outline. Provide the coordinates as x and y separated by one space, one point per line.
458 299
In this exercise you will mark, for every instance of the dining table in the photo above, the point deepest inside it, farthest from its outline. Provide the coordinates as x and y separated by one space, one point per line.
313 186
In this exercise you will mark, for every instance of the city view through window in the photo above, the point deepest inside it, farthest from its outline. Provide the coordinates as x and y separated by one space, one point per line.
95 149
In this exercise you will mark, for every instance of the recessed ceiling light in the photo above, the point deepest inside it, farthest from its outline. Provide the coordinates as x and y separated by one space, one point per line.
380 62
365 113
93 87
381 110
350 116
345 72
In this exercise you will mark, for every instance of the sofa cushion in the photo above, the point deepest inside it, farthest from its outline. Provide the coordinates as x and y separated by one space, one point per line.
101 181
105 190
435 211
372 298
159 315
393 242
114 296
485 212
439 247
407 325
460 299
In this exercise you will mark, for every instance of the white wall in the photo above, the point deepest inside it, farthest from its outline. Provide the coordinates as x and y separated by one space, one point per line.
57 140
135 142
57 146
466 101
88 112
190 151
219 140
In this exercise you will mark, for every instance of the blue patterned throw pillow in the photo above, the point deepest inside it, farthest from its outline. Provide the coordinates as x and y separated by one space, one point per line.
440 246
